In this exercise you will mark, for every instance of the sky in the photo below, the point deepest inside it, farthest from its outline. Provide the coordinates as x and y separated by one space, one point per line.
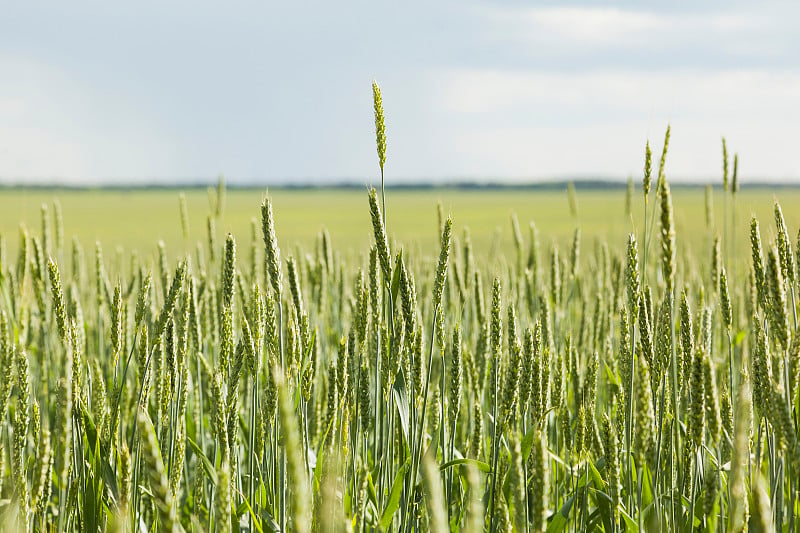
280 92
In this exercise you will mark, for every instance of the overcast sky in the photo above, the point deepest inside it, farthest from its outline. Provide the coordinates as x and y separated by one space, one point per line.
278 91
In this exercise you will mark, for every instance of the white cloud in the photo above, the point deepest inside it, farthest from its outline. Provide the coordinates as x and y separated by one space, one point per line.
53 127
595 123
32 151
588 25
556 29
475 91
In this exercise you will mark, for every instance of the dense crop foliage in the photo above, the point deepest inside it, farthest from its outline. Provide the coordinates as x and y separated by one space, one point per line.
621 386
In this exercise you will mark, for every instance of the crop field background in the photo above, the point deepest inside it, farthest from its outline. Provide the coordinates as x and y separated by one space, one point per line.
136 219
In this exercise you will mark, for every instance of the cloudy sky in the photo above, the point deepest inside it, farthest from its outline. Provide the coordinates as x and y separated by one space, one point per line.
280 91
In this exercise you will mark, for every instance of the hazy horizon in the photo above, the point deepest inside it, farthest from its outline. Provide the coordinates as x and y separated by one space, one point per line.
475 184
273 93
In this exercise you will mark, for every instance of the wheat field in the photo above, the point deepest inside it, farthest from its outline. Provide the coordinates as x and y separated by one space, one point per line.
622 360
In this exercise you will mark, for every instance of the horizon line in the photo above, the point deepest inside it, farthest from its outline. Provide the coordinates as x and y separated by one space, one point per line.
344 184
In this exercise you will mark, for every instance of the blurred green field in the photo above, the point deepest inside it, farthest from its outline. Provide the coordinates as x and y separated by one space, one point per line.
137 219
